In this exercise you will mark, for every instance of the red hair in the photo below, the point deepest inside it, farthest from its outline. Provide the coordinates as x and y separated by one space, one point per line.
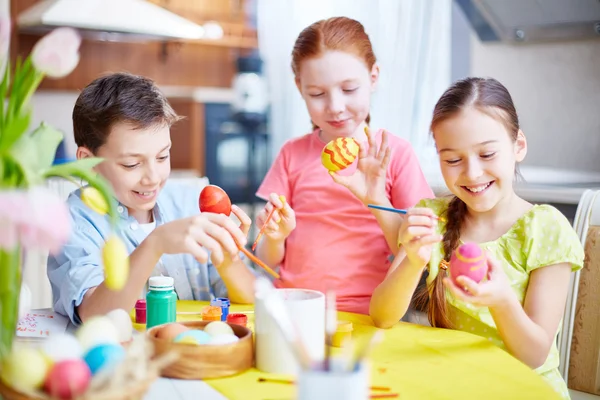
337 33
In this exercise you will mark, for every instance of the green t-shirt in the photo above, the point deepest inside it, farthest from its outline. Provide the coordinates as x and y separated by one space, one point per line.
541 237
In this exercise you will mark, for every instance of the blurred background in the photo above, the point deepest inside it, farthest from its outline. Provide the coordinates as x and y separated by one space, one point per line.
225 66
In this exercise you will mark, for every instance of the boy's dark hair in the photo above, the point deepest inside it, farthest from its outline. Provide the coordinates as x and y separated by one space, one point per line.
116 98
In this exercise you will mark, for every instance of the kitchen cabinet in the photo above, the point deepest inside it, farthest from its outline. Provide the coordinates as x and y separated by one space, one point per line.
184 63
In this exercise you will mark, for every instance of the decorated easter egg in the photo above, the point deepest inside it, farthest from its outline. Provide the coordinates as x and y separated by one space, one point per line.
104 356
213 199
97 330
61 347
199 336
25 368
216 328
468 260
122 320
68 379
170 331
116 263
339 153
224 339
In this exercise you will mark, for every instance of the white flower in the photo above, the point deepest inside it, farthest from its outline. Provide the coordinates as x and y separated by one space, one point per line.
57 53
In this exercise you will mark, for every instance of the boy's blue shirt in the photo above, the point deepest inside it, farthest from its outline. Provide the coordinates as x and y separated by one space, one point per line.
78 266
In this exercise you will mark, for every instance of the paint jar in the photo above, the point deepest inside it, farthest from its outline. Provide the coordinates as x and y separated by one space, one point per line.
224 303
211 313
238 319
161 301
140 311
343 334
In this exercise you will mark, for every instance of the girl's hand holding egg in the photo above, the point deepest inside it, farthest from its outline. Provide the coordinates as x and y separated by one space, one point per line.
495 291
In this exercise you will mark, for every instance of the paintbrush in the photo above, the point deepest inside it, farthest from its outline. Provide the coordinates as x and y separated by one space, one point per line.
398 211
366 349
330 326
262 229
256 260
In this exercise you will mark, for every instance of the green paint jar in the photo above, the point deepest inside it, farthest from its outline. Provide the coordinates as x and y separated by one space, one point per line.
161 301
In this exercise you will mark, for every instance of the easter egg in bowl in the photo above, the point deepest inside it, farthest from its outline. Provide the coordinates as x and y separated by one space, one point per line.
468 260
209 357
213 199
339 154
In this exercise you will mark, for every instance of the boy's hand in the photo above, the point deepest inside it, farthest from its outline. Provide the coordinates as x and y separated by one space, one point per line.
192 235
245 223
283 221
417 235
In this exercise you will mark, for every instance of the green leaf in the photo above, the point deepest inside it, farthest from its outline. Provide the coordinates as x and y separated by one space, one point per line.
35 151
83 169
12 174
14 130
3 91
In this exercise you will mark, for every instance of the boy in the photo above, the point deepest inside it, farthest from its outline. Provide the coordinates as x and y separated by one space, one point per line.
126 120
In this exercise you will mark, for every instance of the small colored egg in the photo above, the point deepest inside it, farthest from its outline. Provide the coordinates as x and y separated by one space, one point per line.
122 320
199 336
216 328
25 368
68 379
62 347
187 340
170 331
104 356
339 153
97 330
224 339
468 260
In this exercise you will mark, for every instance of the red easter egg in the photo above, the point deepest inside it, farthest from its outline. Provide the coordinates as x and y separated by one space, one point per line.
468 260
68 379
213 199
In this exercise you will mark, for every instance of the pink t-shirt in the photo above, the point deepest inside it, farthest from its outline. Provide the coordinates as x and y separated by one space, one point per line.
337 243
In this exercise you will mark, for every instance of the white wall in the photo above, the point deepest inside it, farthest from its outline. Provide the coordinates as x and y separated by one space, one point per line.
556 89
55 108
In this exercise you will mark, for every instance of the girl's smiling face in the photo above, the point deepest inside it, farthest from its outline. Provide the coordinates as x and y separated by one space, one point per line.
478 157
337 88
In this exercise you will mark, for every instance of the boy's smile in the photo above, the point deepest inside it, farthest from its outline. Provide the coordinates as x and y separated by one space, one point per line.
137 165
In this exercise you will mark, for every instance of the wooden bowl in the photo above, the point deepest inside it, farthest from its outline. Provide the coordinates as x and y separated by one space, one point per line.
206 361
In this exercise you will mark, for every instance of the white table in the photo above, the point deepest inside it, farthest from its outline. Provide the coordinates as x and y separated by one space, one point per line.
177 389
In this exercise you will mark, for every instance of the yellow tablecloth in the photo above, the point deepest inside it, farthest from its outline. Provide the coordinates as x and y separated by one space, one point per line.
416 362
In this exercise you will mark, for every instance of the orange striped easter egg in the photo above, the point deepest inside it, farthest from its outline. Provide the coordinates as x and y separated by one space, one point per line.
339 153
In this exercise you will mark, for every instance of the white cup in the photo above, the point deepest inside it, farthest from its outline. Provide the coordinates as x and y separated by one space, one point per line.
306 308
334 384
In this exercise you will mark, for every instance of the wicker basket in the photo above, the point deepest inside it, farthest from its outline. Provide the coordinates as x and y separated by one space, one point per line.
206 361
128 381
134 392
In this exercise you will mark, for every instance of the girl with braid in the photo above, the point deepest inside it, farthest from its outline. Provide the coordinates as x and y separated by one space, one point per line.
530 249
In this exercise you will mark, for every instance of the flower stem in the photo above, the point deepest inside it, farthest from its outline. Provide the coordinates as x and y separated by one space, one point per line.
10 286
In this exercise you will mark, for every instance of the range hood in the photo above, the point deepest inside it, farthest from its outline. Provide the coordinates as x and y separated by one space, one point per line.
110 20
532 20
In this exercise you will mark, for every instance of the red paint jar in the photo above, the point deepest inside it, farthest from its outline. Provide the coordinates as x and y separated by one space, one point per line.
140 312
238 319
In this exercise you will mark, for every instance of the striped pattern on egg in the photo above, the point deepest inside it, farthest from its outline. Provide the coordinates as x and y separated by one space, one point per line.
339 153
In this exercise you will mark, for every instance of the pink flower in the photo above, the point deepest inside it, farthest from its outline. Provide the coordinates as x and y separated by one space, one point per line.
57 53
36 218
